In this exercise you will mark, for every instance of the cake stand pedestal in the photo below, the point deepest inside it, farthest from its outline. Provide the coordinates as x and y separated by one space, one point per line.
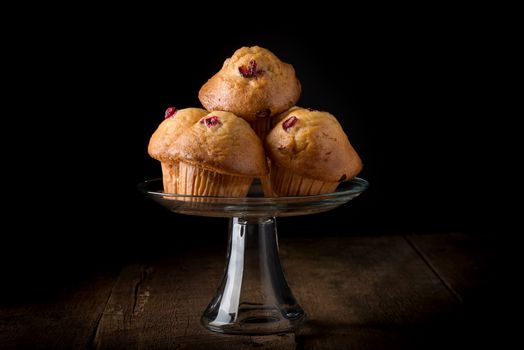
253 297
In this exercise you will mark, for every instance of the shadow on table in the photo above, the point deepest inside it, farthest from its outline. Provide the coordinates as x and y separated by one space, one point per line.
456 332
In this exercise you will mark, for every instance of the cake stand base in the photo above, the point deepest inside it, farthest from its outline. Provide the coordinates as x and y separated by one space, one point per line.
253 297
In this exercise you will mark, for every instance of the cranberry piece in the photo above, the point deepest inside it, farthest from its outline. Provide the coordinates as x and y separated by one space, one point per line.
251 70
171 111
263 113
289 122
211 121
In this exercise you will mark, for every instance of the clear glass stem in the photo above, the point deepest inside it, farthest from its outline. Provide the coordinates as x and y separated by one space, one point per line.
254 297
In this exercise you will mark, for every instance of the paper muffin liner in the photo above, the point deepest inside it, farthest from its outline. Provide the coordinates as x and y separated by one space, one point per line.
170 176
196 181
286 183
262 127
265 182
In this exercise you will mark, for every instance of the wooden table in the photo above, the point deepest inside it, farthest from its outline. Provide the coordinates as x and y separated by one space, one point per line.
360 292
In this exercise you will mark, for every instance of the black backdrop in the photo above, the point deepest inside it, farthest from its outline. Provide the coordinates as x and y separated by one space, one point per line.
407 94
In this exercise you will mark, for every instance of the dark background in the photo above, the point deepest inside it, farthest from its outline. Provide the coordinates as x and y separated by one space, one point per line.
410 93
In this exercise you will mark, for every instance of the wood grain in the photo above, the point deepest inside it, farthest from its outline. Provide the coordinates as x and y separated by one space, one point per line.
66 321
365 293
159 306
462 261
381 292
473 269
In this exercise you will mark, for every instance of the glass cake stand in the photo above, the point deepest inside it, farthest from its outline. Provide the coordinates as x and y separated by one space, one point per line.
253 297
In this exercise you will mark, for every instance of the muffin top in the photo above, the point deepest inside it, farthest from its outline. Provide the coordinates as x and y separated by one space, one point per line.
176 122
221 142
312 144
278 118
252 84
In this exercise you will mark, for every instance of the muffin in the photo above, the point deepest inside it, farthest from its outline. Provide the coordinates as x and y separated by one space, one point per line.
219 155
175 123
310 153
253 84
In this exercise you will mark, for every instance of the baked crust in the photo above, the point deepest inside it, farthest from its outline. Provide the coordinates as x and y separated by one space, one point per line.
229 146
170 129
266 89
315 146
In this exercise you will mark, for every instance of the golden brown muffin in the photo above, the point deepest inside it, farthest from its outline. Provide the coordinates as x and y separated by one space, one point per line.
176 121
219 155
253 84
310 154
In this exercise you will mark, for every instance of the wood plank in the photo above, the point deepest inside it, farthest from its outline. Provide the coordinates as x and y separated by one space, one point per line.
65 321
359 293
463 261
474 269
159 306
367 293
